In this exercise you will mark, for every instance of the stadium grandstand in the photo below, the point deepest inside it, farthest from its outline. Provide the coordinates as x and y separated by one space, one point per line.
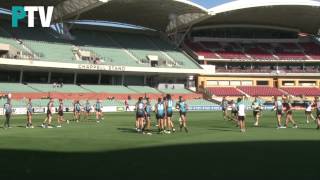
127 89
179 48
258 49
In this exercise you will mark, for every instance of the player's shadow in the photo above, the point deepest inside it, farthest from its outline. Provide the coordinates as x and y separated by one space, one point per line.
127 130
229 160
20 126
221 129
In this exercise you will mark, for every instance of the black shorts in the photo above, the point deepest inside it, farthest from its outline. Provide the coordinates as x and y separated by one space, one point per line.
29 113
183 113
224 109
98 110
49 113
8 115
160 116
148 115
279 112
140 115
318 114
60 113
308 112
234 113
241 118
169 113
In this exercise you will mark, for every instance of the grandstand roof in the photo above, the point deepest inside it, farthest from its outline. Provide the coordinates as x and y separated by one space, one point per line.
7 4
153 14
160 15
302 15
166 15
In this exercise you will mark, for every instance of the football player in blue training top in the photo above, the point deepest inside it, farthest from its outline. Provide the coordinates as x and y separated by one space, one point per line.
148 110
278 107
29 114
169 113
140 114
77 107
160 114
224 107
183 108
87 109
98 108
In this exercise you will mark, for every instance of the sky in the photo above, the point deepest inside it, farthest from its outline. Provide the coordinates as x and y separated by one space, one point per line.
210 3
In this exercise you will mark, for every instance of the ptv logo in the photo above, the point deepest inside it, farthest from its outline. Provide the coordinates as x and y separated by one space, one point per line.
20 12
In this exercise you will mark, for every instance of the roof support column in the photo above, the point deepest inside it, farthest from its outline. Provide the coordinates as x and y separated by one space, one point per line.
122 79
21 76
99 79
49 77
75 78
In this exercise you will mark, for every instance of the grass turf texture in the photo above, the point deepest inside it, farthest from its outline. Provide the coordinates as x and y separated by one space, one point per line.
214 148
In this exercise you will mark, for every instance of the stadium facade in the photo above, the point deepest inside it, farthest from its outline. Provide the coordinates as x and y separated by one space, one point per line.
242 48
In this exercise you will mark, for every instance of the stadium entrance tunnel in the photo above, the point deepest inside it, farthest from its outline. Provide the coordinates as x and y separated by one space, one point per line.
244 160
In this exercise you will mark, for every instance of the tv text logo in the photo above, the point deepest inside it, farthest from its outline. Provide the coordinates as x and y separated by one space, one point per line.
21 12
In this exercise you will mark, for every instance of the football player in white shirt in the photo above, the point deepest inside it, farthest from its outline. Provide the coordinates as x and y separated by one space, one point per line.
308 111
241 107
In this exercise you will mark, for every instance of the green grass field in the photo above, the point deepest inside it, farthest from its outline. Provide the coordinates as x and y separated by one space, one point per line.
214 148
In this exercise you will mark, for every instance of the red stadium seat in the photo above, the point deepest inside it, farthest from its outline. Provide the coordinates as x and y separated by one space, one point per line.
298 91
261 91
224 91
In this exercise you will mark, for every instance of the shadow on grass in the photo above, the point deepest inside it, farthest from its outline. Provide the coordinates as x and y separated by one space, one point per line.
238 160
221 129
127 130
